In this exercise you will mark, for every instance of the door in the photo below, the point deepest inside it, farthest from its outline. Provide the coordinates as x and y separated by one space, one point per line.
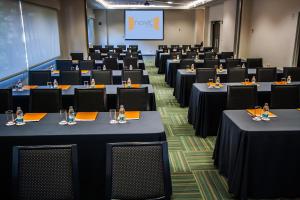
215 30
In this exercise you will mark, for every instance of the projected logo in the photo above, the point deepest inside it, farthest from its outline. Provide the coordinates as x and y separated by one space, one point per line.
147 23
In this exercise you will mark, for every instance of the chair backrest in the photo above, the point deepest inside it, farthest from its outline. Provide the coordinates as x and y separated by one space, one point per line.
123 47
39 77
134 99
134 47
207 49
285 96
186 47
162 46
6 100
225 55
130 61
45 100
97 47
173 55
118 50
102 77
86 64
104 50
232 63
147 172
136 76
199 45
241 97
266 74
209 55
45 172
64 65
294 72
90 100
113 55
109 47
111 63
70 78
204 74
191 54
254 62
91 50
186 62
237 74
95 56
77 56
211 63
174 46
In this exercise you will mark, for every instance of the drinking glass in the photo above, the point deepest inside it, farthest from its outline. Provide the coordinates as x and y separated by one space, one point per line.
86 84
283 80
247 80
63 117
10 118
257 113
113 116
124 83
210 83
72 68
49 84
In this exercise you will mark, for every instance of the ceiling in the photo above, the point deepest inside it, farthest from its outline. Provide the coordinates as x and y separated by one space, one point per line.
162 4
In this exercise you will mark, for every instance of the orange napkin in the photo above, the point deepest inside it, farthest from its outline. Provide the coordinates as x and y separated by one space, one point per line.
247 83
64 87
34 117
214 84
280 82
55 72
29 87
86 116
132 115
85 71
99 86
135 85
259 112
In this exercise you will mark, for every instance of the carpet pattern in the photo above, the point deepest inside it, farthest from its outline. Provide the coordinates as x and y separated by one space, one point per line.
193 174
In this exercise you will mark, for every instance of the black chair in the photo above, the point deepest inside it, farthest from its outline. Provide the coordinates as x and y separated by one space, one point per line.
199 45
136 76
174 46
254 63
45 100
232 63
209 55
95 56
118 50
109 47
191 54
207 49
211 63
266 74
133 99
173 55
86 64
285 96
123 47
102 77
204 74
40 77
45 172
130 61
91 50
64 65
70 78
162 46
236 75
104 50
134 47
6 100
90 100
186 62
241 97
185 47
113 55
77 56
147 171
294 72
97 47
132 55
111 63
225 55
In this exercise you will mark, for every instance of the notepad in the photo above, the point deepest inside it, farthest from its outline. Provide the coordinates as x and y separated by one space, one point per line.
214 85
29 87
248 83
85 71
34 117
99 86
64 87
86 116
281 83
135 85
258 112
130 115
55 72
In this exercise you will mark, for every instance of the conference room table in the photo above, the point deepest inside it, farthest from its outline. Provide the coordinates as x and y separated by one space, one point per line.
21 98
260 159
122 55
90 137
185 80
99 63
116 76
207 104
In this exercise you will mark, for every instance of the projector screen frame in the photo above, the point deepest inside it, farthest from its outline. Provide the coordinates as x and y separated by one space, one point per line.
163 28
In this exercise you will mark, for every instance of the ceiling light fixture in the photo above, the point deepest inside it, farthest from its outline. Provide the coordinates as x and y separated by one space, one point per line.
170 2
196 3
123 6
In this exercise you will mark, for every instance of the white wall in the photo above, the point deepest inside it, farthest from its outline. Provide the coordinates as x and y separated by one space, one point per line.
179 28
273 31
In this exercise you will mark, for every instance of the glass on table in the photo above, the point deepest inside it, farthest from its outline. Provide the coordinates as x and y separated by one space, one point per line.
10 120
247 80
113 116
257 113
49 84
86 84
124 83
63 117
283 80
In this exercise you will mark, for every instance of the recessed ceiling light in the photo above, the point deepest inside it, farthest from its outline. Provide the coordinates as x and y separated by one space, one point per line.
170 2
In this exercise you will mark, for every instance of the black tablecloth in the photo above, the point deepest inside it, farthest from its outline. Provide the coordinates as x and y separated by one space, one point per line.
260 159
91 139
157 57
68 97
207 104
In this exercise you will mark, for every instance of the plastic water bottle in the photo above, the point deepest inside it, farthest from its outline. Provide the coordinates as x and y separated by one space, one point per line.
71 115
243 65
216 57
121 116
253 80
266 110
104 67
192 67
130 67
19 85
129 82
221 67
93 83
76 68
55 84
177 57
19 118
289 79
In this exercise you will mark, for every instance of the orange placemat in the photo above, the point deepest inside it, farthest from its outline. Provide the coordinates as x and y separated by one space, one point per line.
55 72
99 86
86 116
64 87
85 71
280 83
135 85
34 117
247 83
214 85
132 115
29 87
259 112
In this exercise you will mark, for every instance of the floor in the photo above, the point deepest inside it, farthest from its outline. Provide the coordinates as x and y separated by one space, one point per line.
192 170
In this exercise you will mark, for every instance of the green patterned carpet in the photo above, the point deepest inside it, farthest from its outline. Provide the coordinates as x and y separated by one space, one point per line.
193 174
